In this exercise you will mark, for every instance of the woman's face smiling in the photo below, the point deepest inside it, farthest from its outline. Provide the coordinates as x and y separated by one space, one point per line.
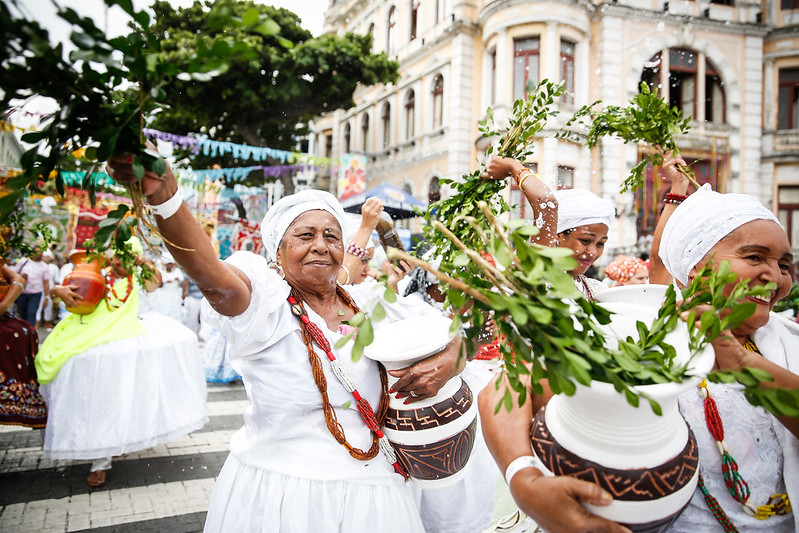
760 252
311 252
588 243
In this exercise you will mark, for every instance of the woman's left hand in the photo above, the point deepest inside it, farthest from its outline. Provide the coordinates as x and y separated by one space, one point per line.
423 379
396 273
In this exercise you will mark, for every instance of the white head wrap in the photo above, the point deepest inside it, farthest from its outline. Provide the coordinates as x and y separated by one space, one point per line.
700 222
580 207
287 209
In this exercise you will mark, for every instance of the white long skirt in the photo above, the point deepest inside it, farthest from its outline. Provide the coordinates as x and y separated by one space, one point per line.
247 500
128 395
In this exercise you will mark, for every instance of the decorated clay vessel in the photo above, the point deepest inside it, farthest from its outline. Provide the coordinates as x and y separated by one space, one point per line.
647 462
89 281
433 438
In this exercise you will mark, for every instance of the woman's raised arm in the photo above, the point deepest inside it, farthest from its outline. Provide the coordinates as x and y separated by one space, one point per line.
226 287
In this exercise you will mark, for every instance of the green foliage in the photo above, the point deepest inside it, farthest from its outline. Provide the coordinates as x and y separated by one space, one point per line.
104 88
789 302
516 140
19 240
266 100
647 118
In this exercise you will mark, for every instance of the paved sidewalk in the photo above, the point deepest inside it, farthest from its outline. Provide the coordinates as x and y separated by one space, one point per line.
165 488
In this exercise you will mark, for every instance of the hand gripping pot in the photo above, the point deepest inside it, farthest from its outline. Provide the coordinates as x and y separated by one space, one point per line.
648 463
433 438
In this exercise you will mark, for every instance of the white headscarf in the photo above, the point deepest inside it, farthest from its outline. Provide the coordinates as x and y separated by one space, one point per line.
580 207
287 209
700 222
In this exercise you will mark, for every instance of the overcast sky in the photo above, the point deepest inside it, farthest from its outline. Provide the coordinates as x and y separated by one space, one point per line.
114 20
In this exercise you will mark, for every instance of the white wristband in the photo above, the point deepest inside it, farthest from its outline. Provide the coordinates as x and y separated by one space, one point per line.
170 207
520 463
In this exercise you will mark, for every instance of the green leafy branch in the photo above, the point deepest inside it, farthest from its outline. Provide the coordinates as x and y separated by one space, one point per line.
647 118
459 212
105 89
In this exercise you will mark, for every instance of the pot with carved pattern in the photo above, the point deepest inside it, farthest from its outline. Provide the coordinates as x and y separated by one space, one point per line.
433 438
88 279
647 462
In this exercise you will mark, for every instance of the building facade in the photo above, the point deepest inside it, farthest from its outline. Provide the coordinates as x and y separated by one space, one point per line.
731 65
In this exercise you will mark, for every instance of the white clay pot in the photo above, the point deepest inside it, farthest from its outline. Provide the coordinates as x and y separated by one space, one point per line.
433 438
648 463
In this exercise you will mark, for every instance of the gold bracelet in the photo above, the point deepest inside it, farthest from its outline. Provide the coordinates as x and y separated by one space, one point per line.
521 181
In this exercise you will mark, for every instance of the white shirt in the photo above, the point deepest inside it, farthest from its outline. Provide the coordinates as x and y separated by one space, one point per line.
37 271
284 426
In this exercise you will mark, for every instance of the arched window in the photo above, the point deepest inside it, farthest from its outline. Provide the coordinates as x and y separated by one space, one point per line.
438 101
347 137
434 190
386 118
567 69
684 91
365 133
410 105
391 42
525 65
414 19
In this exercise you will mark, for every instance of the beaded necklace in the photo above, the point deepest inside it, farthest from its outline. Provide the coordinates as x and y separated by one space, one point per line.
778 504
585 289
310 333
109 284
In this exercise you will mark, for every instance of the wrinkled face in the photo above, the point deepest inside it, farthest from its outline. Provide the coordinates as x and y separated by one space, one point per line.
760 252
639 278
588 243
311 251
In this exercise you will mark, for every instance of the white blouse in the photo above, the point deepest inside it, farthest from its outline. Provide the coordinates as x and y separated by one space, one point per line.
284 426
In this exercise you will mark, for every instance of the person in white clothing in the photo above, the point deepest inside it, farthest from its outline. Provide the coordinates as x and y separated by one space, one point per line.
37 273
311 456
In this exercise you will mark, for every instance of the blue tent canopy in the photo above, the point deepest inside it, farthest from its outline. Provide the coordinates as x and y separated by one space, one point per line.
396 202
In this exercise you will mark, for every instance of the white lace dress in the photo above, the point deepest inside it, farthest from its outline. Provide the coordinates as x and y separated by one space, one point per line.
286 472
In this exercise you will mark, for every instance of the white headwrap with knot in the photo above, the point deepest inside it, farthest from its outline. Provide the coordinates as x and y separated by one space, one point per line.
287 209
580 207
700 222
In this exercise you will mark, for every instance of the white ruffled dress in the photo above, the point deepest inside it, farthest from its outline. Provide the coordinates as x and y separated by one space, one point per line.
127 395
286 472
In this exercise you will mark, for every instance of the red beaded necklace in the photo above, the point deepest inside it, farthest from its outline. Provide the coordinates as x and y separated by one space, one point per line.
109 284
778 504
311 332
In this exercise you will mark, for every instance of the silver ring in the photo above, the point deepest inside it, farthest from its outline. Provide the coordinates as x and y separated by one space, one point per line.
412 393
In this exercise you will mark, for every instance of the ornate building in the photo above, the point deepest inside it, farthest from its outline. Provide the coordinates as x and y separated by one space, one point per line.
732 65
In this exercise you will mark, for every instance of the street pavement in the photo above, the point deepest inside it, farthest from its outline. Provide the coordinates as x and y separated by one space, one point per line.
165 488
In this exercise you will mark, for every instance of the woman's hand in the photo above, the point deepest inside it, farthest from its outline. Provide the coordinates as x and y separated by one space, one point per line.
157 189
555 503
502 167
396 273
671 172
67 294
427 376
370 213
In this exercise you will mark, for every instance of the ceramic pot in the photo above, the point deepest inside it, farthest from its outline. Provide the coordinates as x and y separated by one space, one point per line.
89 281
648 463
433 438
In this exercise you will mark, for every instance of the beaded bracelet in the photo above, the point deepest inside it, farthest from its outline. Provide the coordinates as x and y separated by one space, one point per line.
21 286
356 250
675 199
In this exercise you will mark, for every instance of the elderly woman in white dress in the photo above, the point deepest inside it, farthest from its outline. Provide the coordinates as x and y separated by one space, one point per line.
706 226
311 456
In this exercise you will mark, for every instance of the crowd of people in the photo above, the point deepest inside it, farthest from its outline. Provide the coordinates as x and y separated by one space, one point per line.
311 455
